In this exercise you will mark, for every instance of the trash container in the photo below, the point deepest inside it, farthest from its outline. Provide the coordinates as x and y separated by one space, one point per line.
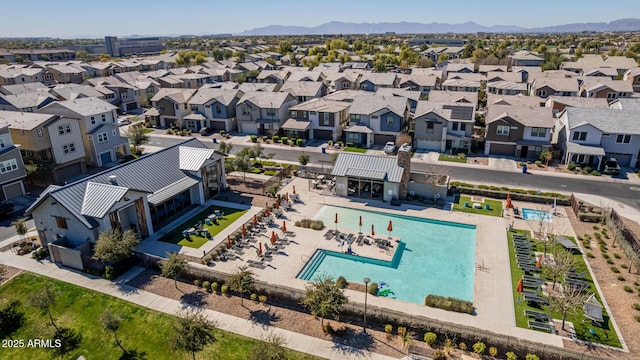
215 141
324 150
524 169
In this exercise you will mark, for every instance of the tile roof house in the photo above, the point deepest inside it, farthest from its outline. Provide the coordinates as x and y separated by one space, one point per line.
454 96
377 119
419 82
632 76
320 119
263 113
443 126
506 88
526 58
214 109
304 90
342 80
605 88
559 103
461 85
521 132
587 136
371 81
591 61
514 100
27 102
144 195
23 88
12 170
172 106
544 87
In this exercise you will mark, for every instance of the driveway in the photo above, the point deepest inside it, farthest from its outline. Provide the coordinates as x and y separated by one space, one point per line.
502 164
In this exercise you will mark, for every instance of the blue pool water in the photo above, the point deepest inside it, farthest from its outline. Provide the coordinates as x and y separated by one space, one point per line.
433 257
533 214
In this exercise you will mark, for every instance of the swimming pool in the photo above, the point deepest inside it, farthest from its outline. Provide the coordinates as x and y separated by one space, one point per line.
433 257
534 214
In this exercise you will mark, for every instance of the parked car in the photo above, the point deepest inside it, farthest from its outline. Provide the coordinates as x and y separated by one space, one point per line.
5 209
611 167
123 121
390 147
205 131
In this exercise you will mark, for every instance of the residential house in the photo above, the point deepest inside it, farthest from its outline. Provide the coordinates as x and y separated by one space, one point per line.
20 74
599 87
486 69
12 169
23 88
170 82
144 195
443 126
526 58
249 87
590 61
28 102
587 136
304 90
65 74
515 100
371 81
296 74
419 82
214 109
516 77
342 80
52 141
74 91
320 119
411 95
172 106
277 77
625 104
506 88
377 119
461 85
605 72
263 113
445 96
348 95
458 68
559 103
521 132
544 87
631 76
101 137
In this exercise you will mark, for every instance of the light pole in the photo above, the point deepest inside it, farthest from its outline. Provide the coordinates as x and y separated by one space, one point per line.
364 324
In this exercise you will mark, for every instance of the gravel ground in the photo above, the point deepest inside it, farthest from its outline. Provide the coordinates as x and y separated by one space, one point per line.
271 314
9 273
619 300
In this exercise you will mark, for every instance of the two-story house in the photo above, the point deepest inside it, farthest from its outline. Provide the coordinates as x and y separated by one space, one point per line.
454 97
461 85
320 119
547 86
214 109
599 87
342 80
144 195
377 119
64 74
263 113
12 169
51 141
443 126
632 76
172 106
506 88
587 136
371 81
304 90
419 82
521 132
559 103
101 137
28 102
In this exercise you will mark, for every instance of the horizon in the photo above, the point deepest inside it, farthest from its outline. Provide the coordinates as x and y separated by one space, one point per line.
79 20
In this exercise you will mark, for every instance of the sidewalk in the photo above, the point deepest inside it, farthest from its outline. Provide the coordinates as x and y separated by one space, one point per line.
119 288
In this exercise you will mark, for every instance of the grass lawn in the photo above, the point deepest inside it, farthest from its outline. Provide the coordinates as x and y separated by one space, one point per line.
452 158
495 206
175 235
142 330
148 130
355 149
603 334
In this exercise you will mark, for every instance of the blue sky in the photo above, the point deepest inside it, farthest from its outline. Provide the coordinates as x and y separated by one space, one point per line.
75 18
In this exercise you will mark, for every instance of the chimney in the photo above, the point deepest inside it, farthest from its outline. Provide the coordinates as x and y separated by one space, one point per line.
113 180
404 161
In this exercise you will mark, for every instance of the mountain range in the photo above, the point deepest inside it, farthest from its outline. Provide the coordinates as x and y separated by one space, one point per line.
336 27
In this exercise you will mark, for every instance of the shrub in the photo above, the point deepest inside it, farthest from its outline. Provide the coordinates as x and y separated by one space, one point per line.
224 289
605 256
636 283
571 167
292 141
596 228
586 169
439 355
40 254
214 286
327 328
284 140
628 289
637 318
373 288
430 338
590 255
595 173
539 164
511 355
350 144
616 255
253 297
197 282
462 346
610 262
299 142
521 164
276 139
636 306
621 278
479 348
339 143
262 298
388 328
493 351
532 357
341 282
310 224
265 138
624 266
330 143
222 132
615 270
254 139
448 303
402 331
206 285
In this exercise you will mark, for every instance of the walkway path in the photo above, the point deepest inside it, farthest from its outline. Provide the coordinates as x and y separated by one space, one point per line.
244 327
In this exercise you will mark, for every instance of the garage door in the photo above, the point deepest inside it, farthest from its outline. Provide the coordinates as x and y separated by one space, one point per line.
217 125
248 128
428 145
67 172
623 159
323 134
12 190
131 106
383 139
502 149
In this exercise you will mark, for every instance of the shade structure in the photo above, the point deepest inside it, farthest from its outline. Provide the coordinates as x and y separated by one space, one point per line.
360 223
508 204
390 226
229 240
336 221
244 230
286 197
260 249
520 286
278 203
539 261
294 189
373 233
273 237
284 226
268 212
255 220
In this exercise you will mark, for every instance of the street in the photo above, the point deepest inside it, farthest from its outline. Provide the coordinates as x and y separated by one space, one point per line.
621 192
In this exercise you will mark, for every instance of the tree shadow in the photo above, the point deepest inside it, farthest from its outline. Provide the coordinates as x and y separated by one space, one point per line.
125 288
195 298
349 341
130 354
265 318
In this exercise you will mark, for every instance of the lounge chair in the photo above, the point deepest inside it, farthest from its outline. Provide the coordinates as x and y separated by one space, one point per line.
528 268
537 315
577 276
533 279
534 298
540 326
359 240
579 284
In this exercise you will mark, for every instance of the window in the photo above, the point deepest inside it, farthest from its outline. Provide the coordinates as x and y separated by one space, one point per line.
538 132
580 136
454 126
194 107
430 125
8 166
64 129
2 145
40 133
246 110
463 127
354 117
207 106
218 109
325 119
104 117
102 137
612 95
345 85
69 148
305 115
93 120
389 120
503 130
271 112
313 113
541 93
61 222
294 114
623 139
123 95
113 132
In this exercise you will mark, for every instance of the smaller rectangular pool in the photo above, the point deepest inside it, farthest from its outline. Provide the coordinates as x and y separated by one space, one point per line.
534 214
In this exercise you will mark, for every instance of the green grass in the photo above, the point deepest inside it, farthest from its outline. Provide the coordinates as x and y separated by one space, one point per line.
78 308
355 149
452 158
148 130
175 235
495 206
603 334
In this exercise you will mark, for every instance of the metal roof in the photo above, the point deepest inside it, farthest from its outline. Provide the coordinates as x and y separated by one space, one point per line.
368 166
191 159
99 198
171 190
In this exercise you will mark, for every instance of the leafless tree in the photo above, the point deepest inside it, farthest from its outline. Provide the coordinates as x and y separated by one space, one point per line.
559 266
567 300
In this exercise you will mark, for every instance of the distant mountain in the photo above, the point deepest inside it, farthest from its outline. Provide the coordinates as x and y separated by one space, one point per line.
336 27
